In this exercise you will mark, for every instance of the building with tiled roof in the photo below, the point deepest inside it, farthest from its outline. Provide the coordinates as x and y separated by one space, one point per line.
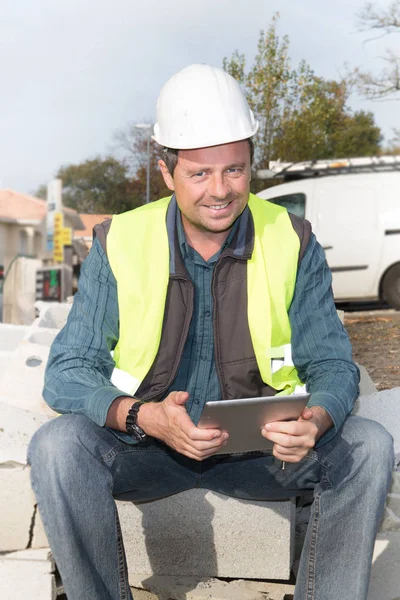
89 220
23 225
21 208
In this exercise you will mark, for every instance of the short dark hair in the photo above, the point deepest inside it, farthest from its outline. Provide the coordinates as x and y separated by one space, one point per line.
170 156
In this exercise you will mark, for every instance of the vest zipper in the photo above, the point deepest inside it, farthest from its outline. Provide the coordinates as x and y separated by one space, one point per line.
217 350
182 341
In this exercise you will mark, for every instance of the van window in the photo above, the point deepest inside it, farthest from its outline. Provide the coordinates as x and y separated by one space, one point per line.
294 203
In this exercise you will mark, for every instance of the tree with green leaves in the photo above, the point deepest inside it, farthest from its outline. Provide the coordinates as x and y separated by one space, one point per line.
266 86
98 185
110 184
301 116
358 136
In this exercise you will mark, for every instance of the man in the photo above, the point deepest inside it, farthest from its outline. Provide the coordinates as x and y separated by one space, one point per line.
197 296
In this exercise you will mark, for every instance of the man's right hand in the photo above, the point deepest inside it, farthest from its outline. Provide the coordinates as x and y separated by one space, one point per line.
169 422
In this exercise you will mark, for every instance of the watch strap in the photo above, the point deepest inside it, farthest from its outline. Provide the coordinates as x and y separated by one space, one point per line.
131 422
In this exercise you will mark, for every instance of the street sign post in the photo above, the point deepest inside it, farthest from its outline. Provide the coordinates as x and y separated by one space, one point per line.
62 236
54 205
58 254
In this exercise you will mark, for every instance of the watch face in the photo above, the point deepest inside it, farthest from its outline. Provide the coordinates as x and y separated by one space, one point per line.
136 432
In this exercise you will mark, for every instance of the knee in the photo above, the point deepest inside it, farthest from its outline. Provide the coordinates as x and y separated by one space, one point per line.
374 444
56 441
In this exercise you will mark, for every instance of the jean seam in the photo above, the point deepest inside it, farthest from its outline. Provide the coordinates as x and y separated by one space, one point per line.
122 567
120 449
312 551
44 522
324 462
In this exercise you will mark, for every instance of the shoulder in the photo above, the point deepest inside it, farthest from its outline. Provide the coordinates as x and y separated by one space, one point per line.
100 231
136 218
303 229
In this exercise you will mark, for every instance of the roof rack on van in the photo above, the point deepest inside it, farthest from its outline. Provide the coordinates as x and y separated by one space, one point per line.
332 166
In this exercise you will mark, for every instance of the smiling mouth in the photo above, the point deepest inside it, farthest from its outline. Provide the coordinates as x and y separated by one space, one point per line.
219 206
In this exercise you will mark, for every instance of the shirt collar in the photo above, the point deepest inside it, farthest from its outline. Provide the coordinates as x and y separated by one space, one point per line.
186 250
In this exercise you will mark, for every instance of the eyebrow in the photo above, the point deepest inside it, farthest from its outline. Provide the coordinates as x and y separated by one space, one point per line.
208 167
236 164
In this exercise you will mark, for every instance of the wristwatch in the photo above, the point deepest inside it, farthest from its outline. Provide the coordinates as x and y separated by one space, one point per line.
131 422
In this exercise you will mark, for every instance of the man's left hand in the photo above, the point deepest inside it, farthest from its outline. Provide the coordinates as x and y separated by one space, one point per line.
293 439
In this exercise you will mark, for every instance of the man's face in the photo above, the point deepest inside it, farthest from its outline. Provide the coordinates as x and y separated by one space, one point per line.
211 185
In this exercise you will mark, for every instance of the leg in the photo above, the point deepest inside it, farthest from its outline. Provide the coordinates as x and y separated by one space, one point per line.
77 467
350 476
347 510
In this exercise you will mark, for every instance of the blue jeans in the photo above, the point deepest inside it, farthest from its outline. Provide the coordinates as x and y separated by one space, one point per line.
78 468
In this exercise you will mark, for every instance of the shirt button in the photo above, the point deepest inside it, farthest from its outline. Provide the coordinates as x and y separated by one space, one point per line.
207 313
196 401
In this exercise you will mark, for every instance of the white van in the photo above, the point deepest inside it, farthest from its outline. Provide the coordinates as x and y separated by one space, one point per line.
355 215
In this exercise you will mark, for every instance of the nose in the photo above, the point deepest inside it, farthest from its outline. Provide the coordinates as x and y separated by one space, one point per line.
219 187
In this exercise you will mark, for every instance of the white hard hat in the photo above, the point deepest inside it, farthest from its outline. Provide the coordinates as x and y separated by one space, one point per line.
202 106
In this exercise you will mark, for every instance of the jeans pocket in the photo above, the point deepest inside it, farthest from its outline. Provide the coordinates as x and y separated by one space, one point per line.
317 457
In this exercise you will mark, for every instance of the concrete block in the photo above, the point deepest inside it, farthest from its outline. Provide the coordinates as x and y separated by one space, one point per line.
190 588
390 521
4 359
385 574
52 315
27 575
393 502
17 507
22 383
385 581
384 408
395 487
20 524
139 594
203 533
19 291
391 515
39 538
11 336
42 336
17 426
367 386
340 314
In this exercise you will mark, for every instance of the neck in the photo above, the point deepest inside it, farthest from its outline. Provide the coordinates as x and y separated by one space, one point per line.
206 243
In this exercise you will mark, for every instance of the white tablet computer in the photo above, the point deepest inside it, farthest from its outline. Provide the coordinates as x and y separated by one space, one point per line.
244 418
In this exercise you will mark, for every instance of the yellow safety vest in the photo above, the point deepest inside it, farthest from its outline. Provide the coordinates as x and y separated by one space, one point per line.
138 252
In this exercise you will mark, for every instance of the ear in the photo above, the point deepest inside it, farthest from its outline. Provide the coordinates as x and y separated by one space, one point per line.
169 180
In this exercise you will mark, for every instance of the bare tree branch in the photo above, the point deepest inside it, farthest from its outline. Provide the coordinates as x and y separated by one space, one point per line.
388 20
387 83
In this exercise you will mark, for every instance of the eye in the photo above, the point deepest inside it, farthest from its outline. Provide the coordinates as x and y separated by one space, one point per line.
199 174
235 170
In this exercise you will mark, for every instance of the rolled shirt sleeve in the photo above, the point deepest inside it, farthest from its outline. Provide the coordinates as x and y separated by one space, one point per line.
77 378
321 349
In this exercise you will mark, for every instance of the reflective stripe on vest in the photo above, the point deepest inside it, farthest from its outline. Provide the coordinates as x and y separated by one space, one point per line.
138 252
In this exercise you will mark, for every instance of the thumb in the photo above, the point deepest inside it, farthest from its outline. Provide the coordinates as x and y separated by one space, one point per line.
306 415
178 398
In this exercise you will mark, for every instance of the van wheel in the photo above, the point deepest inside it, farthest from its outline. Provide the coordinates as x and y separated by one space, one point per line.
391 287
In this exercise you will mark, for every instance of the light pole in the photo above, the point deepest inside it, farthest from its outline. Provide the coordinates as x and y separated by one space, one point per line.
148 127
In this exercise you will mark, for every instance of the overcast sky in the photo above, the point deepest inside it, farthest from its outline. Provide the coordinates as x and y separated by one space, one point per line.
72 72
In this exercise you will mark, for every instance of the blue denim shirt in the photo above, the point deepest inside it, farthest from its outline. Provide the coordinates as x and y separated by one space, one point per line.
197 371
79 368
